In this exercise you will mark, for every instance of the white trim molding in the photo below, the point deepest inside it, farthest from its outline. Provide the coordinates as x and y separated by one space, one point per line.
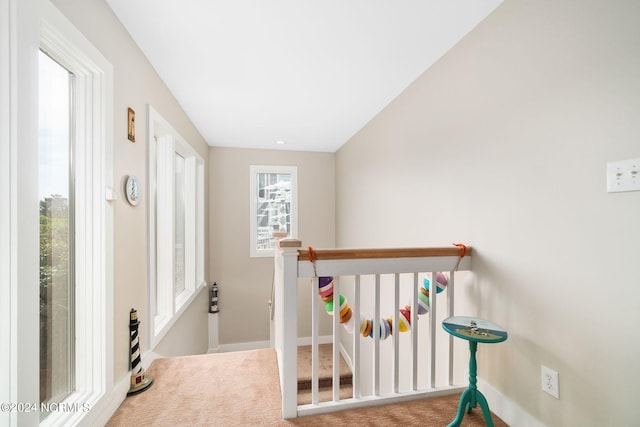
93 216
167 305
8 226
26 26
254 171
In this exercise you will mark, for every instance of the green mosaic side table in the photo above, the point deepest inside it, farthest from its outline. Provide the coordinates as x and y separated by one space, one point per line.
473 330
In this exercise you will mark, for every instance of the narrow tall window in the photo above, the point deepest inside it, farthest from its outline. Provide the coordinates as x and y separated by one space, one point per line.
57 281
75 179
273 202
179 226
176 225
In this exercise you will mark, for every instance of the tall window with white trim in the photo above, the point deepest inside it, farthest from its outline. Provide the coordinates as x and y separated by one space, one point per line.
176 235
76 220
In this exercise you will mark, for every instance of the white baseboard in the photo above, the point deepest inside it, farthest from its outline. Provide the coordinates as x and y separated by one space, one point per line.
254 345
102 412
148 357
101 415
322 339
509 411
240 346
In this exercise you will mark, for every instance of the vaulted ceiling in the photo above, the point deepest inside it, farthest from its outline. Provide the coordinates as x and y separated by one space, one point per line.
310 73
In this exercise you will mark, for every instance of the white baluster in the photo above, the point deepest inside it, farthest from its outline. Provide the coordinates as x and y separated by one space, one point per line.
356 340
450 302
414 332
376 338
336 339
396 338
433 291
314 340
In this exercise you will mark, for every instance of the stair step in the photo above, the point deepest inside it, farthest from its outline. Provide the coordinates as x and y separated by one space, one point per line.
325 382
325 394
325 368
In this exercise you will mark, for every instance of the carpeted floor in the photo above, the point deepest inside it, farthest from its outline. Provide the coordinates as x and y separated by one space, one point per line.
242 389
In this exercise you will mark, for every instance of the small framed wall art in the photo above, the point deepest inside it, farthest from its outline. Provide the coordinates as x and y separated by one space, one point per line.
131 120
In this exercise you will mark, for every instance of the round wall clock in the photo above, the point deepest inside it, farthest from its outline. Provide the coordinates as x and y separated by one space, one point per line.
132 190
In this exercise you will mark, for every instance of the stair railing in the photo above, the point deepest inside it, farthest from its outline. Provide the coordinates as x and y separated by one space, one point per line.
293 263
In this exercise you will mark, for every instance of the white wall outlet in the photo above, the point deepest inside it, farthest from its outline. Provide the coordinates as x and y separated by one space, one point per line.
549 379
623 175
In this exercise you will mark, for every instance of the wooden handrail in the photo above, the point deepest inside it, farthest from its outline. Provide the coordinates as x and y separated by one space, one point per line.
331 254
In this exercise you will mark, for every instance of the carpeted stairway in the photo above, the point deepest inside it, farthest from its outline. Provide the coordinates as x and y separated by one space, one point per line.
325 375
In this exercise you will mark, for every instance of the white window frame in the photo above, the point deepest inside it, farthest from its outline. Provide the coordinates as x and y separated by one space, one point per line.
8 197
254 170
165 306
93 214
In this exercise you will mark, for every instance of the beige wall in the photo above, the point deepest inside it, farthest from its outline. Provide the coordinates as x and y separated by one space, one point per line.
245 283
503 145
136 85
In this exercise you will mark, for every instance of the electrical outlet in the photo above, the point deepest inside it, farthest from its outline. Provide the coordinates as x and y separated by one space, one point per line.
549 379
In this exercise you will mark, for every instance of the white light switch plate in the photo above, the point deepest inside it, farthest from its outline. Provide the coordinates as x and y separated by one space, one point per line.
623 175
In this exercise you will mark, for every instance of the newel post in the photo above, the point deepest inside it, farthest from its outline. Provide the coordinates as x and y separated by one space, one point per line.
286 327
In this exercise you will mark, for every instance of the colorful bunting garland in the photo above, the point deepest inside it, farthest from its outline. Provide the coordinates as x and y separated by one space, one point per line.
325 290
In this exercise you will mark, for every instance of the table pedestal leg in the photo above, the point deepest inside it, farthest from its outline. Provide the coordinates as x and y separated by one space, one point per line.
471 397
